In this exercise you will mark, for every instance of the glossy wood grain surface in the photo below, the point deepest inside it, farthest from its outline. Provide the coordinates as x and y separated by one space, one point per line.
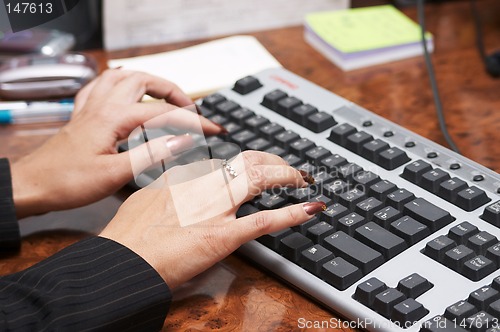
235 294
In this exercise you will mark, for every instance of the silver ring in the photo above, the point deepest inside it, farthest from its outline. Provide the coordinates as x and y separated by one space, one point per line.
227 166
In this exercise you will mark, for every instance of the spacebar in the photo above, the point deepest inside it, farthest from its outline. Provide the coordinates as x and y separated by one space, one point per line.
353 251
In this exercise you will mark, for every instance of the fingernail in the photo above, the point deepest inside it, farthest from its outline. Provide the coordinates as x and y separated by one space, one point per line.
179 144
119 67
314 207
306 176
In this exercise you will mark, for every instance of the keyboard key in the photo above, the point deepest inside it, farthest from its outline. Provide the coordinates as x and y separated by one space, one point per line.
481 241
271 99
243 137
410 230
399 198
459 311
408 312
355 142
348 171
301 146
284 138
332 162
450 188
319 231
276 150
335 188
471 198
321 198
432 179
353 251
299 195
246 85
381 189
270 130
272 240
366 179
350 222
226 107
493 254
456 257
316 154
414 285
380 239
441 324
494 307
371 149
367 290
292 160
368 207
413 171
292 245
436 248
339 133
320 121
386 300
386 216
302 228
481 322
259 144
225 150
492 214
255 123
246 210
306 167
286 105
212 100
333 213
351 198
270 202
322 178
340 274
478 267
217 118
232 128
313 258
241 115
392 158
461 233
481 298
300 113
427 213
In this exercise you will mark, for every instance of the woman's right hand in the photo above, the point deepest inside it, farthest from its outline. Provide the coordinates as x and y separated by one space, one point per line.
183 223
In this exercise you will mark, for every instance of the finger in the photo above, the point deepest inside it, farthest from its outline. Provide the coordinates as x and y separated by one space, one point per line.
83 95
250 227
131 163
107 81
167 116
262 177
133 87
248 159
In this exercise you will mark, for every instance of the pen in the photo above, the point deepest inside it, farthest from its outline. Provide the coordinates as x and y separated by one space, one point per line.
35 112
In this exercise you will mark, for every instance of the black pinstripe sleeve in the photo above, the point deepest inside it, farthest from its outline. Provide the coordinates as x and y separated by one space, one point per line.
93 285
9 229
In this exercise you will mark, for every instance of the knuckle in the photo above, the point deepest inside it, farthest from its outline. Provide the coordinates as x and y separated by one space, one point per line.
257 177
216 242
109 73
292 215
262 222
252 158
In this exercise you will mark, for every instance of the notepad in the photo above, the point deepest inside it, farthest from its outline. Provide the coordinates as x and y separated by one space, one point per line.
205 68
360 37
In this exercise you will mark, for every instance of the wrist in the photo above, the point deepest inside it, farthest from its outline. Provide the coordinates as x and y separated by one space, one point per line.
26 191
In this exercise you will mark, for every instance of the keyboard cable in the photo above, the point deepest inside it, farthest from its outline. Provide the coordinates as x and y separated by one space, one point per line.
432 78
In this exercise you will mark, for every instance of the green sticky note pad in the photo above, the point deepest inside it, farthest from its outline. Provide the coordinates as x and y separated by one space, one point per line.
364 29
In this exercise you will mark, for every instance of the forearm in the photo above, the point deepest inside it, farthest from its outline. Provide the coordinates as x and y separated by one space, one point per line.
96 284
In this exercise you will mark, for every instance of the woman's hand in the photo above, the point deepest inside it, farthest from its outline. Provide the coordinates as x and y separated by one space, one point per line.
80 164
183 223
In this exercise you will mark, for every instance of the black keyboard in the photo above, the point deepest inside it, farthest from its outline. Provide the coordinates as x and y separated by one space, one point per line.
410 239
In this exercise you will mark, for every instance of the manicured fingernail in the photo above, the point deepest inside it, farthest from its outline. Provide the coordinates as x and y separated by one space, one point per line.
179 144
306 176
313 208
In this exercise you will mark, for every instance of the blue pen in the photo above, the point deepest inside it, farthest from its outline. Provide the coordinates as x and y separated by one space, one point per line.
35 112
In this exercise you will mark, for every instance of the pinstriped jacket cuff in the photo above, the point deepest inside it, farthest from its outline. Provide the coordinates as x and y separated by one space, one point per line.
10 238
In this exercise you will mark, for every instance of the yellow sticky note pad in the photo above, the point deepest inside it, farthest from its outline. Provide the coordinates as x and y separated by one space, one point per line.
363 29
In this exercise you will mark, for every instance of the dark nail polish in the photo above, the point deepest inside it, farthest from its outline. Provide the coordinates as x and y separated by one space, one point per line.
313 208
306 176
223 130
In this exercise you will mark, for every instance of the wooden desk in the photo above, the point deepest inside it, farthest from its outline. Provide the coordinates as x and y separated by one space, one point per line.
234 294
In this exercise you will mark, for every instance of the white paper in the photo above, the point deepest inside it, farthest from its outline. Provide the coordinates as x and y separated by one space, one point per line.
204 68
129 23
